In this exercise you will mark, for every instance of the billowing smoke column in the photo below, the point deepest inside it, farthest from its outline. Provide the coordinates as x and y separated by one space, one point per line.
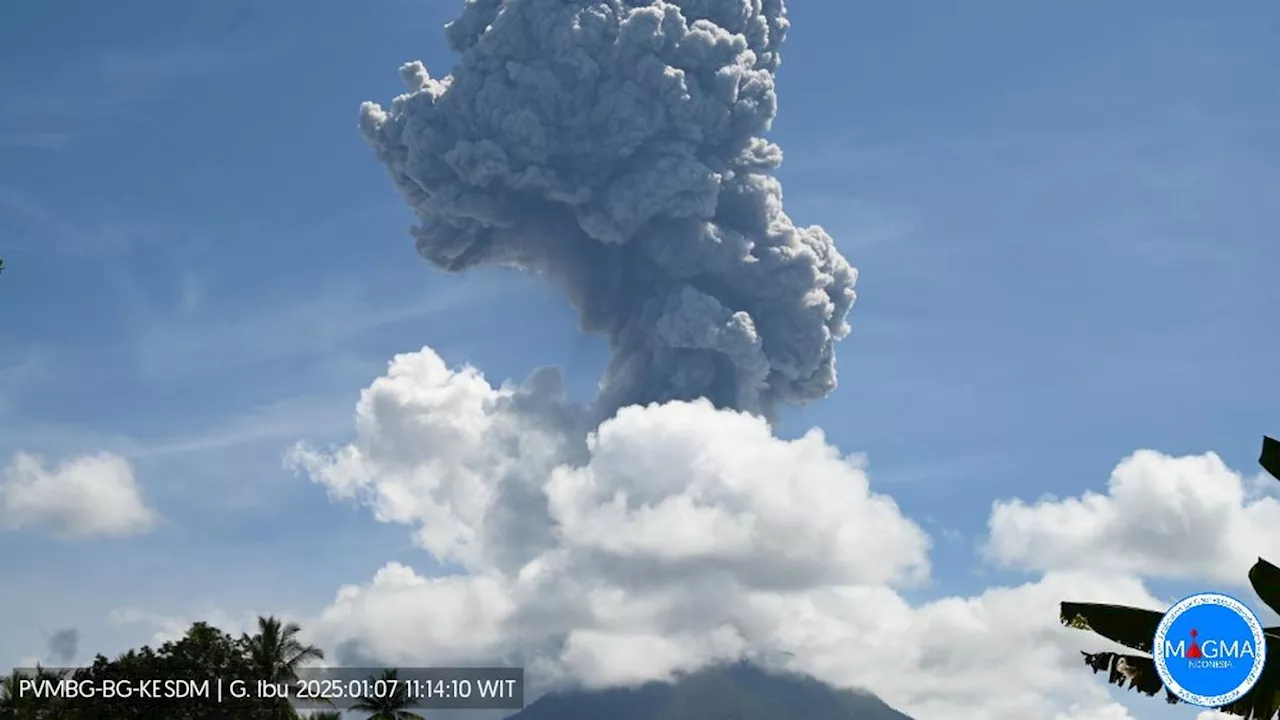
613 146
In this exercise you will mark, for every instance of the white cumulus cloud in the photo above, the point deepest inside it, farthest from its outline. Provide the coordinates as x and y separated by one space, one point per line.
1168 517
90 496
677 535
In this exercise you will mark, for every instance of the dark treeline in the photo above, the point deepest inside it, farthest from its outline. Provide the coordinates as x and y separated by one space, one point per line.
273 653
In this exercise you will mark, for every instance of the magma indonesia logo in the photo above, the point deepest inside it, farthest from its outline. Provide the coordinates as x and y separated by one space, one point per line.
1209 650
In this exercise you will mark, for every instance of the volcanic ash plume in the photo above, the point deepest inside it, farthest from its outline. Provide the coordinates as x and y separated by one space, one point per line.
613 146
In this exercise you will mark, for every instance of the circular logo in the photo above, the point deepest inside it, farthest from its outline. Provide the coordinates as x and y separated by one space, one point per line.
1209 650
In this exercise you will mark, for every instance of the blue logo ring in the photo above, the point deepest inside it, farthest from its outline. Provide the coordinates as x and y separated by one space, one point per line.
1197 677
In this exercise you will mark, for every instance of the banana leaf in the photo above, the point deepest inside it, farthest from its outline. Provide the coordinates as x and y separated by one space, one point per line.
1270 458
1130 626
1265 579
1263 701
1133 672
1138 672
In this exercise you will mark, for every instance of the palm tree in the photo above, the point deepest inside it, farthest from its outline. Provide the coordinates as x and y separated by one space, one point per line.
323 715
390 706
1136 628
275 653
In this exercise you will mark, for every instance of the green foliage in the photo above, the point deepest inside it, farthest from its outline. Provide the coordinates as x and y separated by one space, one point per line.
14 706
1136 628
275 653
391 706
204 653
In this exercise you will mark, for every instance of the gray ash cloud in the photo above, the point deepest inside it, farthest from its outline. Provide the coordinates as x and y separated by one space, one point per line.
63 645
615 148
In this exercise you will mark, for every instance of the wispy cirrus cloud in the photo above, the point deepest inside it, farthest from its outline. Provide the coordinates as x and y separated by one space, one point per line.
22 371
48 141
115 77
31 223
167 342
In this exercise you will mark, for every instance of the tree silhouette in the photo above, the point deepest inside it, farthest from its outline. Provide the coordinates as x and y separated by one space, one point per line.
1136 628
275 652
15 706
204 653
391 705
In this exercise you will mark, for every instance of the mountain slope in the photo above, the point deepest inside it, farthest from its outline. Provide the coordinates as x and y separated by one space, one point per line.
735 692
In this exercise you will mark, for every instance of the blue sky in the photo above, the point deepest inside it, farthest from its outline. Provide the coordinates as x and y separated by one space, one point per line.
1063 216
